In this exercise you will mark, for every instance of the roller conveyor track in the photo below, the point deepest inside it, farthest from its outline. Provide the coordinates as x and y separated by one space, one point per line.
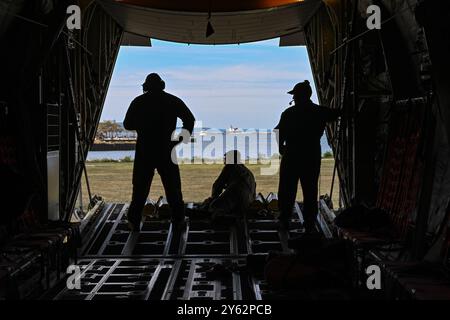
160 264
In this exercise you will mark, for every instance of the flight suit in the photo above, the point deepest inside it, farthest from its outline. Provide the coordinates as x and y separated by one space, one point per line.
154 116
300 130
233 191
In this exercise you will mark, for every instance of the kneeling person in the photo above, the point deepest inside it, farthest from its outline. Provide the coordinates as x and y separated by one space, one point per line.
233 191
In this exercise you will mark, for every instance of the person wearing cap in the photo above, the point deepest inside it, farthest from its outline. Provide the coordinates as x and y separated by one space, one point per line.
299 132
233 191
154 116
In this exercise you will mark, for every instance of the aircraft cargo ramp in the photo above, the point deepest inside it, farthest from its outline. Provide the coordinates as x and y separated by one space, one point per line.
159 263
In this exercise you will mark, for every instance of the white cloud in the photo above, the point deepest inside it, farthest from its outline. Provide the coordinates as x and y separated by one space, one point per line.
243 95
200 81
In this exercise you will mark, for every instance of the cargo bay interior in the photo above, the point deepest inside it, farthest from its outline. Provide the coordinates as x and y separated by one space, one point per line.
391 153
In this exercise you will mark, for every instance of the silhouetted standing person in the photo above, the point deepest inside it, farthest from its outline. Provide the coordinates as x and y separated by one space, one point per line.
300 129
154 116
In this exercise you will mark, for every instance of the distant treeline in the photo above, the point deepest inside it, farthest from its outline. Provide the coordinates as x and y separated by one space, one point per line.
110 129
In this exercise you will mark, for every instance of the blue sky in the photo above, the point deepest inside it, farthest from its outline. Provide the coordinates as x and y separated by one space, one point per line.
243 85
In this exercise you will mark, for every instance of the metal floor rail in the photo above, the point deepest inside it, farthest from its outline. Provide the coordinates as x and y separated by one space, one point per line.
159 264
